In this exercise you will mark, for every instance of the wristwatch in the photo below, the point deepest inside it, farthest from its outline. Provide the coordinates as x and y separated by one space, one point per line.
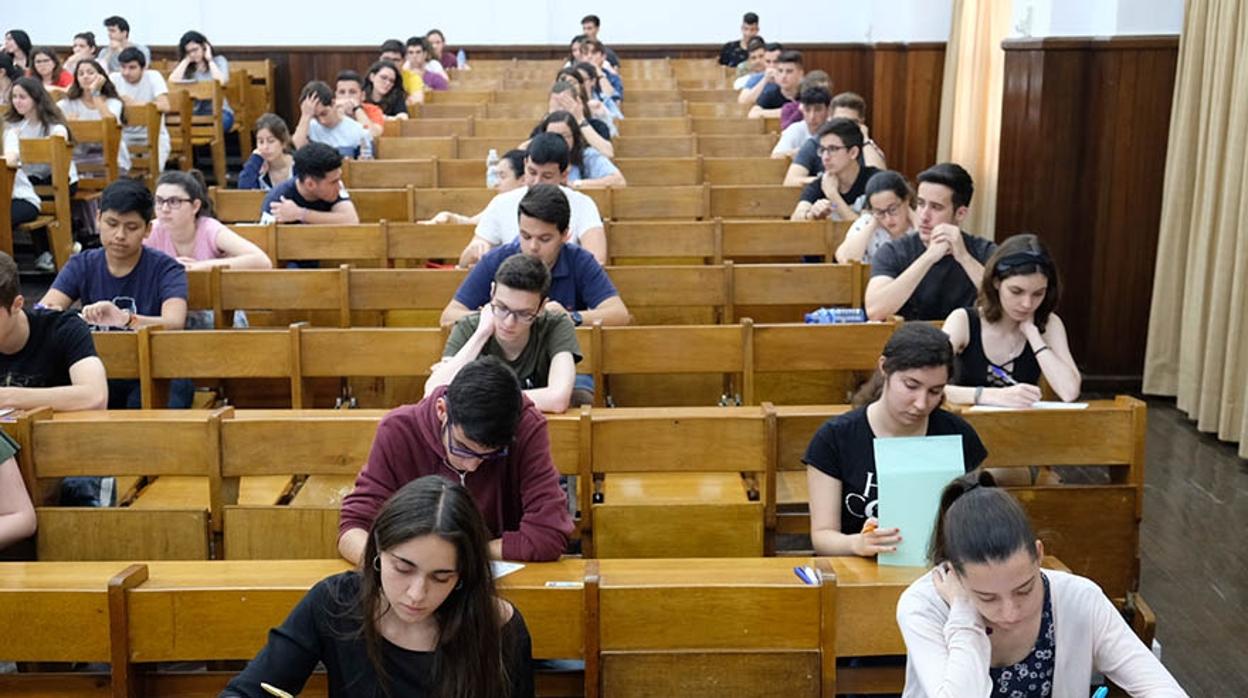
576 318
131 320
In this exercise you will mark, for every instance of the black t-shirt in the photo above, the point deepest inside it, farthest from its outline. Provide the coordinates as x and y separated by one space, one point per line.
772 97
290 190
855 197
843 448
808 156
732 54
57 341
944 288
320 629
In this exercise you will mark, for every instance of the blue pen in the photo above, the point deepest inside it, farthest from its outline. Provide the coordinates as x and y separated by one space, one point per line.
801 574
1101 692
999 373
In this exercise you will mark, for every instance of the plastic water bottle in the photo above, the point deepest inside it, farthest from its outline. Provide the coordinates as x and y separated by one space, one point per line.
835 316
461 59
491 174
366 148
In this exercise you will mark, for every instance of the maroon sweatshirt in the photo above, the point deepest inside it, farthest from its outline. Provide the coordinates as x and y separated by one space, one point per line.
518 496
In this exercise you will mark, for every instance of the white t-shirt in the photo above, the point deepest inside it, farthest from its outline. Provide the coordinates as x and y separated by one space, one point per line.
434 65
500 221
77 110
348 137
792 138
13 134
147 89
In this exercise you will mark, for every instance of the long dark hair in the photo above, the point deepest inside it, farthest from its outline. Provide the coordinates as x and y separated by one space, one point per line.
576 154
107 89
578 88
191 182
198 38
22 39
914 344
45 109
468 661
979 522
1019 255
395 101
56 63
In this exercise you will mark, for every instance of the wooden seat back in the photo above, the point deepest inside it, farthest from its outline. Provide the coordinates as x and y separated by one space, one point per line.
93 176
145 158
55 214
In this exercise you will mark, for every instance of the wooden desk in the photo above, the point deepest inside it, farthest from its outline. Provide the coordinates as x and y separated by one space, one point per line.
677 514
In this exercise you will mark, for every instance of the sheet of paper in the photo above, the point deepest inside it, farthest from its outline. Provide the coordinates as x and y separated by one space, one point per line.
501 568
1042 405
911 472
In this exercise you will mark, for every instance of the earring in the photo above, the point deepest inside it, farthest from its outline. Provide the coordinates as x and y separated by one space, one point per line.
377 563
460 585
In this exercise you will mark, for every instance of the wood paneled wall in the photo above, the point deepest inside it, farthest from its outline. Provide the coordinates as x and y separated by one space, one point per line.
1084 128
901 82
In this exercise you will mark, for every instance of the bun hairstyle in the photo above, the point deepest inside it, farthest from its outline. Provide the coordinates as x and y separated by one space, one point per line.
979 522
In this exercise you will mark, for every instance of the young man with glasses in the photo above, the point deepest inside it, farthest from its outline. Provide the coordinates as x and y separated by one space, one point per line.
540 346
839 192
479 431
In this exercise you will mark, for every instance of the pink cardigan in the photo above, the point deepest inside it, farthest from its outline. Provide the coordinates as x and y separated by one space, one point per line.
948 652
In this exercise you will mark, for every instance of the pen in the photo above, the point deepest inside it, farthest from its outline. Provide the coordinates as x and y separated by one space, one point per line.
814 576
999 373
801 574
275 691
1101 692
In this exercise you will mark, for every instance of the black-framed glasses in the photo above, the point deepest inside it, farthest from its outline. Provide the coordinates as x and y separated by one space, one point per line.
889 212
172 203
460 451
826 149
501 311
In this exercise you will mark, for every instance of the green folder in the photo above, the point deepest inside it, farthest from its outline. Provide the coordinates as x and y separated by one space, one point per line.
911 472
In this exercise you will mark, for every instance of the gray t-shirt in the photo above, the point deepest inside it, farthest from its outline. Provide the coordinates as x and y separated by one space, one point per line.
108 59
93 153
550 334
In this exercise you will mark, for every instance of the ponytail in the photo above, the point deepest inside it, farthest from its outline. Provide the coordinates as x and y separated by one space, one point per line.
978 522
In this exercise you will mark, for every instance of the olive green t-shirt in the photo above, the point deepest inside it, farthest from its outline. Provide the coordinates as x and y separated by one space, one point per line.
550 334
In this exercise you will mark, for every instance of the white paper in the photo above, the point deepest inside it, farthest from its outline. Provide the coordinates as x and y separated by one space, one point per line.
502 568
1042 405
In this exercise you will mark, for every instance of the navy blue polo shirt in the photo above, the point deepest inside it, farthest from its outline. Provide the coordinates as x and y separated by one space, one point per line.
578 281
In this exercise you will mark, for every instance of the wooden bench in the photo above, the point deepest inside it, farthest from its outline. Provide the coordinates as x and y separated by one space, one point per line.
54 211
372 205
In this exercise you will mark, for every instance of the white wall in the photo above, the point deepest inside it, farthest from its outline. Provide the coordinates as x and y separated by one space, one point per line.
1040 18
265 22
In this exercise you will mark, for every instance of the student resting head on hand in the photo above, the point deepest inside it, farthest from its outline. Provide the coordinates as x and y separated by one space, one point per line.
987 620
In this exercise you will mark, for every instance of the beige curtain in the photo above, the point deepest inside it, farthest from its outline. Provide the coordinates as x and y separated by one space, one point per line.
1198 328
970 102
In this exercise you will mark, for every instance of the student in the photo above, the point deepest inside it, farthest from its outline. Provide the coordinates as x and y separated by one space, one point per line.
33 114
439 51
566 96
271 163
751 71
1012 337
587 168
391 52
546 162
17 512
118 41
349 97
46 66
185 229
599 57
9 73
736 51
322 120
778 88
419 618
814 103
314 193
383 87
930 273
806 163
124 284
987 620
17 45
839 193
137 86
887 216
590 24
840 460
47 357
92 97
509 175
417 77
757 82
580 287
481 432
791 113
540 346
596 91
198 62
83 47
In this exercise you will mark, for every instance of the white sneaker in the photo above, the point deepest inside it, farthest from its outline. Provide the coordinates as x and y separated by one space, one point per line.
44 262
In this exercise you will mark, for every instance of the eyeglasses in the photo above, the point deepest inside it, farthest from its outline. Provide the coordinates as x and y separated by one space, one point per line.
502 312
459 451
826 149
172 203
888 212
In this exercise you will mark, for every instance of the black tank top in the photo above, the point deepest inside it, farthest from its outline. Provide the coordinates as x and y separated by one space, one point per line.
972 367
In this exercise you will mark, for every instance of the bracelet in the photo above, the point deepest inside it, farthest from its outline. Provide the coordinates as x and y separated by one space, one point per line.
979 392
1042 348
